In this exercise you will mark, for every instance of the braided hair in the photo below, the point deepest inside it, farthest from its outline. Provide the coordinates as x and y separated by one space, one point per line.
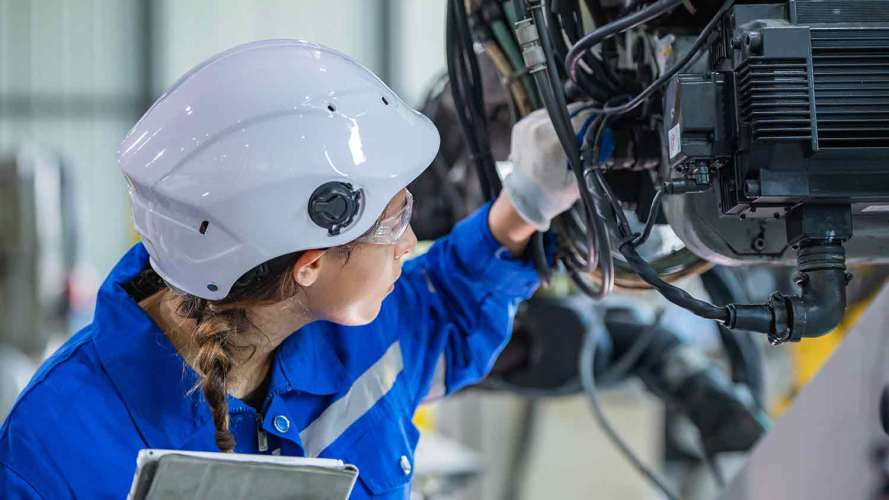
220 326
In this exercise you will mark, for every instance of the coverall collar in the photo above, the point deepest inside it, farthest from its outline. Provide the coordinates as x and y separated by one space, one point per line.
155 382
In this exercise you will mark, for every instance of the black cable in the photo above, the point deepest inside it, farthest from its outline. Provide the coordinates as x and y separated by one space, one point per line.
457 92
623 24
642 267
546 42
619 370
555 28
560 27
466 88
545 87
563 22
600 74
620 218
674 294
608 54
587 378
475 80
682 64
609 77
553 97
650 221
522 450
596 232
554 101
596 12
596 196
538 255
594 89
645 270
724 286
573 238
537 243
564 13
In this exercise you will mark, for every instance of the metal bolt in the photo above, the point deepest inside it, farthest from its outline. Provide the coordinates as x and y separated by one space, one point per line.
759 244
753 40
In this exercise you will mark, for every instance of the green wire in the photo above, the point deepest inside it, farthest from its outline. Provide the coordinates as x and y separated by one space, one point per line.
509 10
504 39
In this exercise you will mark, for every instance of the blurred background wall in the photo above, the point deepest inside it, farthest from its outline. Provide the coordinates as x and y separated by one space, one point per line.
76 75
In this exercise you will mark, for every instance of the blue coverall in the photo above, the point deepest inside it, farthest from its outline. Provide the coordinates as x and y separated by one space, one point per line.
119 386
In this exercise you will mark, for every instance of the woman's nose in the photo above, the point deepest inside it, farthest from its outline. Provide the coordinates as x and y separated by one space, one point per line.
406 244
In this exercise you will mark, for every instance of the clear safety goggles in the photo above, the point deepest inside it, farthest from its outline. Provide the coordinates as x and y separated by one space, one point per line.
389 230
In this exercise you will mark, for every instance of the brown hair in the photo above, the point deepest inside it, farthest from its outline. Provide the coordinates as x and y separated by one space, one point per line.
220 323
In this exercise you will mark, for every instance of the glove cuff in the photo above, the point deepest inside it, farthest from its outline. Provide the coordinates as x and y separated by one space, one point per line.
529 200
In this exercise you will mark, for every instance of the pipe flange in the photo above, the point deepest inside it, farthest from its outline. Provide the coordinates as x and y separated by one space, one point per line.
781 331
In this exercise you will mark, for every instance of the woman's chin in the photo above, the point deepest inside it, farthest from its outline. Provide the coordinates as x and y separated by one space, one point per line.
362 315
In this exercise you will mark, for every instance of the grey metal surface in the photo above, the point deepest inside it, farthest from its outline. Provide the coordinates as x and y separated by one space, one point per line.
824 447
729 241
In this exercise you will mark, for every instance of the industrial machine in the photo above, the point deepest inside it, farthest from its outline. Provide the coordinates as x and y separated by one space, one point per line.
759 131
725 132
36 257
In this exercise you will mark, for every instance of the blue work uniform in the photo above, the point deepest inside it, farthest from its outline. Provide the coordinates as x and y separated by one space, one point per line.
119 386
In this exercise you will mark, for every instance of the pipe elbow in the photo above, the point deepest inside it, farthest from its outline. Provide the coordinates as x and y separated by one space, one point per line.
821 305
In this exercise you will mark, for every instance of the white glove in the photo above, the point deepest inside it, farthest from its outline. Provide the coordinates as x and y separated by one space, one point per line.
541 185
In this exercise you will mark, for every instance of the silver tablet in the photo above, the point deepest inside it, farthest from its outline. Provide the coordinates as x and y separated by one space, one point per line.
169 474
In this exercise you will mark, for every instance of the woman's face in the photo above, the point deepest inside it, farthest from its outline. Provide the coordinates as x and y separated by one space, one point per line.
350 285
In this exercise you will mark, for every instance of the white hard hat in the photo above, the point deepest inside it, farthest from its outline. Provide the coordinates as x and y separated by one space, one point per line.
266 149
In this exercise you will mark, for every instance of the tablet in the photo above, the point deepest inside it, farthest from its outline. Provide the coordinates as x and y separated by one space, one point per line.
169 474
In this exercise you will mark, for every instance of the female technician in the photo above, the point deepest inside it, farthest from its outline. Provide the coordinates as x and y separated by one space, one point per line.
268 185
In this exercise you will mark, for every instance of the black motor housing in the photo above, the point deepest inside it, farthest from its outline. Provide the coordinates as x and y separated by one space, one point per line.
792 108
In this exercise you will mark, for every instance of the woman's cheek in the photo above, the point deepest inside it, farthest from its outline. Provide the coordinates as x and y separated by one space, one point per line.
366 281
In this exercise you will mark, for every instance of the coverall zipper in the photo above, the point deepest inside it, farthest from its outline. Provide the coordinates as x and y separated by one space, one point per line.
262 439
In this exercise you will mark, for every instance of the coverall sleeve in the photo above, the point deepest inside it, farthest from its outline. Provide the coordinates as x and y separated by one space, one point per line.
14 487
455 306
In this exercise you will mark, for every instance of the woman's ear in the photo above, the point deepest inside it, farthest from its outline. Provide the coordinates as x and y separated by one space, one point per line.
307 267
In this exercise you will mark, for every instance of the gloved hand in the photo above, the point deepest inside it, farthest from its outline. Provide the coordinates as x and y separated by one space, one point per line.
541 185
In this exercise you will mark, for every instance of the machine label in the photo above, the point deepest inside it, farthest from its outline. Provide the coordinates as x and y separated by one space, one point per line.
673 138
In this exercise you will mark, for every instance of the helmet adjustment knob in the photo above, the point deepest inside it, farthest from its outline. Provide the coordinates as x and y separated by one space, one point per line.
334 205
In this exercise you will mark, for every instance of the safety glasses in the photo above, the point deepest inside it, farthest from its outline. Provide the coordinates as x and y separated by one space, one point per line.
389 230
